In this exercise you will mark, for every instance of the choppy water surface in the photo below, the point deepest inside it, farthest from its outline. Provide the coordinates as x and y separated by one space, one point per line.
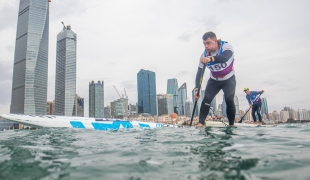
273 152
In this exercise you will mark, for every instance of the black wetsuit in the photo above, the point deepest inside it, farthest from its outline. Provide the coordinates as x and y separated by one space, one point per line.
213 87
256 108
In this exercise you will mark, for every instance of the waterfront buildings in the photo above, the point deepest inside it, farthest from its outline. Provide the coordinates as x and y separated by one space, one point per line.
30 71
264 107
107 112
284 115
188 108
65 81
96 99
172 88
303 114
165 104
182 96
237 107
50 107
119 108
275 115
146 82
132 108
78 106
292 114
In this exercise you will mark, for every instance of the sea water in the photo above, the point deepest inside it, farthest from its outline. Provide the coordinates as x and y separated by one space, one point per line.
266 152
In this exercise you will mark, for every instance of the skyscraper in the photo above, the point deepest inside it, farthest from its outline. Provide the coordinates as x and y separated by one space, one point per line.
172 88
165 104
182 96
78 106
65 81
264 108
237 107
147 92
188 108
96 99
29 85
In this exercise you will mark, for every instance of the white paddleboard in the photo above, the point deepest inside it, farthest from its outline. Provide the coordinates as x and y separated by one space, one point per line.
220 124
79 122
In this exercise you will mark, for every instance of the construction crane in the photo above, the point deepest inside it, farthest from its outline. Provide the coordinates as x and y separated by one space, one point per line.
117 91
63 25
125 93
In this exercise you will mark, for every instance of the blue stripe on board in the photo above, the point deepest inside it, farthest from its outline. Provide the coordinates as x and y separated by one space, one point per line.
159 125
77 124
144 125
114 126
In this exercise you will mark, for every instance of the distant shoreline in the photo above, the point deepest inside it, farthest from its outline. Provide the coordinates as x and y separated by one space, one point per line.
297 121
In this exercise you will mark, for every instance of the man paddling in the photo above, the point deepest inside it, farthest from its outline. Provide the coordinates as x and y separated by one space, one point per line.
218 56
255 103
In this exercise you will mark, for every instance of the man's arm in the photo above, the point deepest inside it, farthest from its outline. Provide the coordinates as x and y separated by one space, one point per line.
224 57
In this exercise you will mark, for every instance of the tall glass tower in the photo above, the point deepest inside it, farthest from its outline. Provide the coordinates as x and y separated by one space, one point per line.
182 97
29 84
147 92
264 108
65 83
96 99
172 88
165 104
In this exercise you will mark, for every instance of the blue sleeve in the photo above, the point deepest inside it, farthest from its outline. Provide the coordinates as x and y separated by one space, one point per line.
248 98
256 92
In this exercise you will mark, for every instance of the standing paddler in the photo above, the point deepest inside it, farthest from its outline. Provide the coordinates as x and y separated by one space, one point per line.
218 56
255 103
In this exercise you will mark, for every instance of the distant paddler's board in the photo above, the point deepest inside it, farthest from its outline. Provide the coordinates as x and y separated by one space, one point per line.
220 124
103 124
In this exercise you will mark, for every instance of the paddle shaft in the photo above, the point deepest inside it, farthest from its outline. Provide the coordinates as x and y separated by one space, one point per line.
199 87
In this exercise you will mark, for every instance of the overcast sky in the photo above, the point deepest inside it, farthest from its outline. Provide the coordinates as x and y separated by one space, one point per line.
115 39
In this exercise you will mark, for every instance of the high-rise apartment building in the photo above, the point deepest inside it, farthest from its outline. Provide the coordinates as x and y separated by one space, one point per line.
147 102
188 108
50 108
172 88
132 108
284 115
237 107
107 112
96 99
182 97
119 108
30 71
165 104
78 106
264 107
65 81
275 115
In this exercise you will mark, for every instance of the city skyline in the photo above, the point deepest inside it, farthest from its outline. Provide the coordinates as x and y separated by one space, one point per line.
172 48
